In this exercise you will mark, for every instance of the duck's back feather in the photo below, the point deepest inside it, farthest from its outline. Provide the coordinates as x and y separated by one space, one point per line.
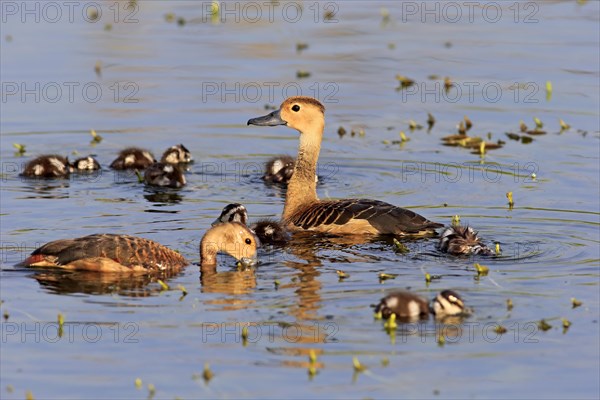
360 216
106 252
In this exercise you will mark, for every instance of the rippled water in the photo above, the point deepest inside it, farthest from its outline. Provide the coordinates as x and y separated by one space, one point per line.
162 83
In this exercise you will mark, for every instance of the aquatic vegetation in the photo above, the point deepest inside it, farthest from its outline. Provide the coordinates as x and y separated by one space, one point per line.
300 74
509 304
482 270
404 82
497 249
341 131
358 367
207 373
575 303
430 121
138 383
385 276
400 247
95 137
341 274
499 329
301 46
391 324
20 149
543 325
509 196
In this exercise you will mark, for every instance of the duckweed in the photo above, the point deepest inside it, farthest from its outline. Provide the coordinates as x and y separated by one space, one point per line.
499 329
543 325
207 374
138 383
509 304
20 149
358 367
575 303
400 247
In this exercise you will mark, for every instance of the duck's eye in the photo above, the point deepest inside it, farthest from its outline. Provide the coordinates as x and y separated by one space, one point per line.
296 108
248 241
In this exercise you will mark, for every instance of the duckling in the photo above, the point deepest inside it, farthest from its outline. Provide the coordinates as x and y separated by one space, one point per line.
458 240
449 303
124 253
304 211
48 166
133 158
85 164
279 169
163 174
177 154
268 231
405 305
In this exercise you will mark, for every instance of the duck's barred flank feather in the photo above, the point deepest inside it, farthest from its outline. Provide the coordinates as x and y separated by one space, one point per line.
128 251
383 217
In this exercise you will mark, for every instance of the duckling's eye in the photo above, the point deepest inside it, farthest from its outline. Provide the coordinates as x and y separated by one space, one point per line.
248 241
296 108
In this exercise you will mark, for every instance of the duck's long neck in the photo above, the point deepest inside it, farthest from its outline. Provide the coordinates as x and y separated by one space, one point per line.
209 248
302 188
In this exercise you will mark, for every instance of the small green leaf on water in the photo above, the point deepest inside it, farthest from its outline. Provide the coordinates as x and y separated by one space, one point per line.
95 137
385 362
441 340
427 278
341 274
245 335
6 315
403 137
139 176
183 290
108 27
523 127
548 90
481 269
138 383
10 388
181 21
575 303
448 83
412 125
404 81
468 123
358 367
499 329
456 220
538 123
378 315
566 323
312 370
430 121
400 247
563 125
302 74
61 323
482 148
509 304
390 324
385 276
543 325
276 283
151 390
386 142
509 196
207 374
312 356
341 131
498 250
98 67
29 395
169 17
20 148
301 46
163 286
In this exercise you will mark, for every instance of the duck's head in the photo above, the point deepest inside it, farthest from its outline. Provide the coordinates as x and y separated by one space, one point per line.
232 213
177 154
449 303
232 238
305 114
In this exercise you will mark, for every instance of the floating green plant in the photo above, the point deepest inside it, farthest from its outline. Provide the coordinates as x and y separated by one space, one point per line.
390 324
497 249
404 81
245 335
108 27
207 374
538 123
385 276
427 278
481 269
523 127
441 340
400 247
312 356
509 304
563 125
509 196
566 324
163 286
95 137
468 123
276 283
301 46
20 149
169 17
6 315
29 395
181 21
378 315
98 67
358 367
300 74
548 90
412 125
183 290
139 175
341 131
61 323
575 303
448 83
462 129
543 325
499 329
456 220
385 362
138 383
430 121
341 274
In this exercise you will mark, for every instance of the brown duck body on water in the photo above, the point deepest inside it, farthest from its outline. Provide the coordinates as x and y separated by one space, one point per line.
124 253
304 211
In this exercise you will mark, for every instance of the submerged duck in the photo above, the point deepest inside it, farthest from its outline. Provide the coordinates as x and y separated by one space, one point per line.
48 166
279 169
462 240
268 231
133 158
407 305
304 211
177 154
88 163
163 174
124 253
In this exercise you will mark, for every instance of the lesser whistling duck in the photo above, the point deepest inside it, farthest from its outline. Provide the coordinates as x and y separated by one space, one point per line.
47 166
124 253
133 158
267 230
304 211
407 305
459 240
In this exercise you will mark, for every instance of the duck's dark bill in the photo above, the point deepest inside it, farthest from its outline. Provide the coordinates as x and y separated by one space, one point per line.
272 119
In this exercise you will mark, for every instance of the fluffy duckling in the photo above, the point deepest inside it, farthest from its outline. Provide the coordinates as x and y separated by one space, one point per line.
268 231
449 303
405 305
133 158
177 154
163 174
304 211
124 253
279 169
88 163
459 240
48 166
409 306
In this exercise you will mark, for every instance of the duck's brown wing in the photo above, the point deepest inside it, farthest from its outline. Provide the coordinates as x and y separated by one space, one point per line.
106 252
361 216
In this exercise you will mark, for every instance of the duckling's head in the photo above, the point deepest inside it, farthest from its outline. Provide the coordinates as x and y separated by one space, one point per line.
232 238
234 212
177 154
448 303
305 114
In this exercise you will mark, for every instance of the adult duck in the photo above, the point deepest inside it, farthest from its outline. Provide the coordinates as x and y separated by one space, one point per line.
304 211
124 253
